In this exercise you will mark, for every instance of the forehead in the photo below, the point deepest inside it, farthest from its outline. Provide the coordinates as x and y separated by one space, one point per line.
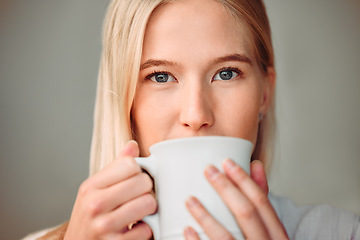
199 26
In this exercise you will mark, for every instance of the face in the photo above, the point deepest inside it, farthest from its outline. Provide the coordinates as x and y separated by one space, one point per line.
198 76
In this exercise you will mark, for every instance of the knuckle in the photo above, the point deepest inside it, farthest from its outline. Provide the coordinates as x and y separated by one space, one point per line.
240 174
131 165
262 200
220 182
85 188
204 219
95 206
246 212
101 226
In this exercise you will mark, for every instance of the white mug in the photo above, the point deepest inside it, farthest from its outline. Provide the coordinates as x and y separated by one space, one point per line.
177 168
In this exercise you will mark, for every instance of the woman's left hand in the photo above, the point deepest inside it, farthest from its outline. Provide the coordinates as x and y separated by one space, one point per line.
247 199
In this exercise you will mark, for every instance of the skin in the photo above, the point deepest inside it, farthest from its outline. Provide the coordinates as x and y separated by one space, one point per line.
97 214
194 36
198 45
182 92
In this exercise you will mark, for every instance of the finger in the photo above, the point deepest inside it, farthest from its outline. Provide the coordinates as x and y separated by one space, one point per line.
131 149
258 197
190 234
212 228
122 168
257 173
120 193
139 231
243 210
132 211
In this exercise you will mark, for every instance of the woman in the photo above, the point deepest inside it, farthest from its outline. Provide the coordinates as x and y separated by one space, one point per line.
186 68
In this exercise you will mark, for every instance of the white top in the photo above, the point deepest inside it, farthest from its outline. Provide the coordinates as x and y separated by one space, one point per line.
304 222
316 221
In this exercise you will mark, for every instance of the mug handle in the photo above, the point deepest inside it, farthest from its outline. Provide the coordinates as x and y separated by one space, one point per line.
148 164
153 222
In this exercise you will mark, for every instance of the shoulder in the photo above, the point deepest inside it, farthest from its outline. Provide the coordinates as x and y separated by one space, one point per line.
37 235
316 221
55 233
327 222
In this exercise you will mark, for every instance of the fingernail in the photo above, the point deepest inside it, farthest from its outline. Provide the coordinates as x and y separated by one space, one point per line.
132 141
131 148
127 146
192 202
189 232
211 172
229 164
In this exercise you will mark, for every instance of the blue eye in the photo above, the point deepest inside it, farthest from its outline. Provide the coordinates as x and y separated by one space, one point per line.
161 77
225 75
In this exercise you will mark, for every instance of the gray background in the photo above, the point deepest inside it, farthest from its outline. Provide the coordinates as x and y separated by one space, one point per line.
49 55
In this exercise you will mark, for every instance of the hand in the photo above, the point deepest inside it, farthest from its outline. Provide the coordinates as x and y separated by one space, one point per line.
112 199
246 197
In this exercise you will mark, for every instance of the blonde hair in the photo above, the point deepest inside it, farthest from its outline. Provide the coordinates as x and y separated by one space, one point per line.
124 30
253 14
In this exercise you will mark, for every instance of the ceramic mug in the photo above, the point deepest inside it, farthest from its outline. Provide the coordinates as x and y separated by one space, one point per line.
177 168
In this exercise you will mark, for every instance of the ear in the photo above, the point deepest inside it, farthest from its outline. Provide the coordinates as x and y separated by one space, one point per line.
268 90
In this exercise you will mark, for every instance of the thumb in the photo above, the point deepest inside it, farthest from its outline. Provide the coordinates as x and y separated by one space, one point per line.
257 173
131 149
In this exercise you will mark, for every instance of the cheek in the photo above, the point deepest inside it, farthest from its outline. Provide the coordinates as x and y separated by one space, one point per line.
152 115
240 111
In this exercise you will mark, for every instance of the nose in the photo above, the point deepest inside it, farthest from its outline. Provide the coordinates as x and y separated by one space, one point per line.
197 108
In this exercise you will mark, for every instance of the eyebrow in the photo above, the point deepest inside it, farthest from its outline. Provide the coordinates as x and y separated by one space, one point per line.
228 58
232 58
154 63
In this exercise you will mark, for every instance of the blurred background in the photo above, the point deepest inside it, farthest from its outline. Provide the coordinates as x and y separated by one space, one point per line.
49 56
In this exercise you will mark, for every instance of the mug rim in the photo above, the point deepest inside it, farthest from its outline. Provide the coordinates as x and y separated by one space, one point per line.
199 138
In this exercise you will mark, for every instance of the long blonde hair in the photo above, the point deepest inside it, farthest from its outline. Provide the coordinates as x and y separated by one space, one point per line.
124 30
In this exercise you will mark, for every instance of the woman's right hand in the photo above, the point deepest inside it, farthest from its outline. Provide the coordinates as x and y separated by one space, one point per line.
112 199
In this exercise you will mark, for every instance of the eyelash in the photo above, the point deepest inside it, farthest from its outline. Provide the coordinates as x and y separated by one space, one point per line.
158 72
237 70
234 69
